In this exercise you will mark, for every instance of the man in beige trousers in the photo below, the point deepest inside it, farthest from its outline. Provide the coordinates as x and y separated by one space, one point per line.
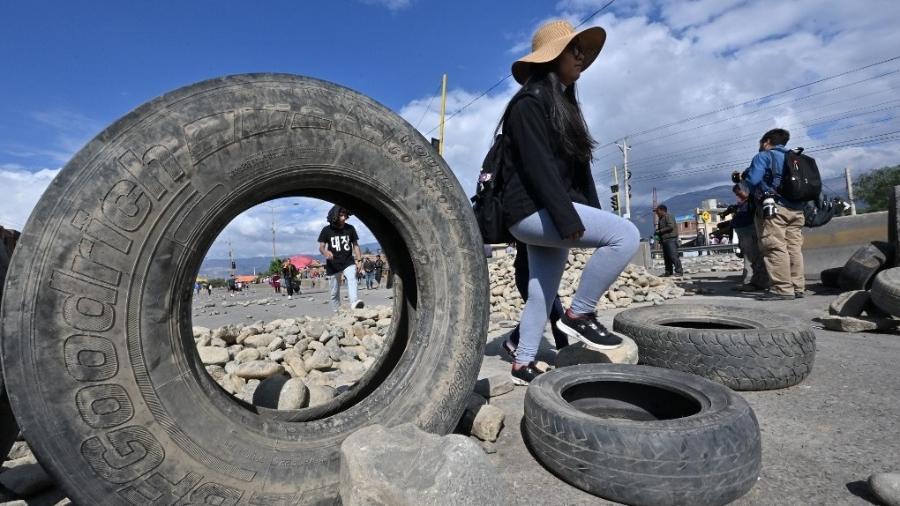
779 222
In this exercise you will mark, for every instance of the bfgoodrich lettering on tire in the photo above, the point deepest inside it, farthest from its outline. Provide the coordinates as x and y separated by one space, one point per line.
745 349
97 345
643 435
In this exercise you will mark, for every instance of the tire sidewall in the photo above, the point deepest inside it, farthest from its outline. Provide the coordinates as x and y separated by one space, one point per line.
96 343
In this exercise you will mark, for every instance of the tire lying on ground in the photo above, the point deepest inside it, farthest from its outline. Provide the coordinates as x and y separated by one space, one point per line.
643 435
860 270
745 349
885 292
9 430
831 277
96 330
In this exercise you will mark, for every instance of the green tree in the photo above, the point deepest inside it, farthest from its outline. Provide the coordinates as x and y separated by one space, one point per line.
875 187
274 266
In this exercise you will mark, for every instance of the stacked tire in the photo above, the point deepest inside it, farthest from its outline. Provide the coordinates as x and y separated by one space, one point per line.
885 292
9 429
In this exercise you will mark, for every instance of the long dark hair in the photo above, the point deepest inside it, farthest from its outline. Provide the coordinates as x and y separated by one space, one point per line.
566 120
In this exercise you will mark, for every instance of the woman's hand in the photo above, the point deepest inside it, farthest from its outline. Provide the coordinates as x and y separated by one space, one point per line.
575 236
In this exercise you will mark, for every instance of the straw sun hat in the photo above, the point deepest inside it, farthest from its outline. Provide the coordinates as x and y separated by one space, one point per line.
551 39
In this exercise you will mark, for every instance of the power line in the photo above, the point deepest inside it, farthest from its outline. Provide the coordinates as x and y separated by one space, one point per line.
708 145
860 141
428 107
758 99
713 146
774 106
498 83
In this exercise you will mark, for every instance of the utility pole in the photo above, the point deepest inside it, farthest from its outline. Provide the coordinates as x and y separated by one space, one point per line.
231 259
616 192
274 256
624 148
653 208
850 190
443 110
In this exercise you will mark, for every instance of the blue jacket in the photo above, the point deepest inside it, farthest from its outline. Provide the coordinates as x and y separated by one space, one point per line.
764 175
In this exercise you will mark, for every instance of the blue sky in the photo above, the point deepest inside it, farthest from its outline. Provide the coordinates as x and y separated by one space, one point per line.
72 68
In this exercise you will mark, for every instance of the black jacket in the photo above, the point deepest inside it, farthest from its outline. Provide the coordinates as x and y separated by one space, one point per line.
536 174
667 228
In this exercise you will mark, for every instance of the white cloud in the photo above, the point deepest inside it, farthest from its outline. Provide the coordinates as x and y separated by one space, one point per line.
394 5
22 189
665 61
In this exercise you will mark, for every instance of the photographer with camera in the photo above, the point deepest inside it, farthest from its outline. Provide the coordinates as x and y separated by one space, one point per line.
779 221
754 278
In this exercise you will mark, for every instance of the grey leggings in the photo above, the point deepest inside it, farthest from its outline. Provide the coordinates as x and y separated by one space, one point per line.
616 240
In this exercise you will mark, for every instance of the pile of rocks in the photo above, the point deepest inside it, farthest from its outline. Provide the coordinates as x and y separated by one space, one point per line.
707 264
854 311
326 357
635 284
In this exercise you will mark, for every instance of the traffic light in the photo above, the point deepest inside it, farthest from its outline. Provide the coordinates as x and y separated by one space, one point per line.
614 200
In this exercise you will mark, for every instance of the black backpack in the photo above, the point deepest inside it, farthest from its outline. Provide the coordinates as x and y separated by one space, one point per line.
799 179
488 200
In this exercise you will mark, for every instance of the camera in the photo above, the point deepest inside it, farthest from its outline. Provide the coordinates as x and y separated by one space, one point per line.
735 177
769 210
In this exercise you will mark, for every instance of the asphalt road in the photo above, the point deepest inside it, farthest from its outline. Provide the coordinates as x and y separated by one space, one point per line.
821 438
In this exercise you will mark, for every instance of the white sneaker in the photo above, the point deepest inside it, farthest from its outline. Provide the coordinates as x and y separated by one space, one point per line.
290 297
359 304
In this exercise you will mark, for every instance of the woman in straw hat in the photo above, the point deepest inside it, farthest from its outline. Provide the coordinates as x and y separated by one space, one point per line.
549 195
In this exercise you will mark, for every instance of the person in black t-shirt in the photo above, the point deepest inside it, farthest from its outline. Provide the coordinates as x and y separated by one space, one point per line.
339 243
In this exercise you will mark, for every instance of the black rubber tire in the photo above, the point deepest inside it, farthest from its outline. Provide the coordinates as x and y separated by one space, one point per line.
885 292
643 435
97 344
744 349
831 277
860 270
9 429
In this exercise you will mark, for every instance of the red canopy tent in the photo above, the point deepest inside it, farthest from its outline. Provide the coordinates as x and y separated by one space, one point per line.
301 261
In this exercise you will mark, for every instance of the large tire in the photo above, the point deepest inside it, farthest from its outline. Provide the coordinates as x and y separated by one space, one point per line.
860 270
97 343
831 277
885 292
741 348
643 435
9 429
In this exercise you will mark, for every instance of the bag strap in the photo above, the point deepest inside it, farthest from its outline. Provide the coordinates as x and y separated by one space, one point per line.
502 137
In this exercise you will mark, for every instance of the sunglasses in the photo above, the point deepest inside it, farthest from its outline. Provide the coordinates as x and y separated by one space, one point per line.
575 49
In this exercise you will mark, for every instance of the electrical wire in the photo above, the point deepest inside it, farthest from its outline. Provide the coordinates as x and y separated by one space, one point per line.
861 141
645 165
758 99
428 107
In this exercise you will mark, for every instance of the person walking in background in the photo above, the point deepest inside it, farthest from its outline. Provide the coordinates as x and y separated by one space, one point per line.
379 270
779 221
369 268
550 200
667 230
339 244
